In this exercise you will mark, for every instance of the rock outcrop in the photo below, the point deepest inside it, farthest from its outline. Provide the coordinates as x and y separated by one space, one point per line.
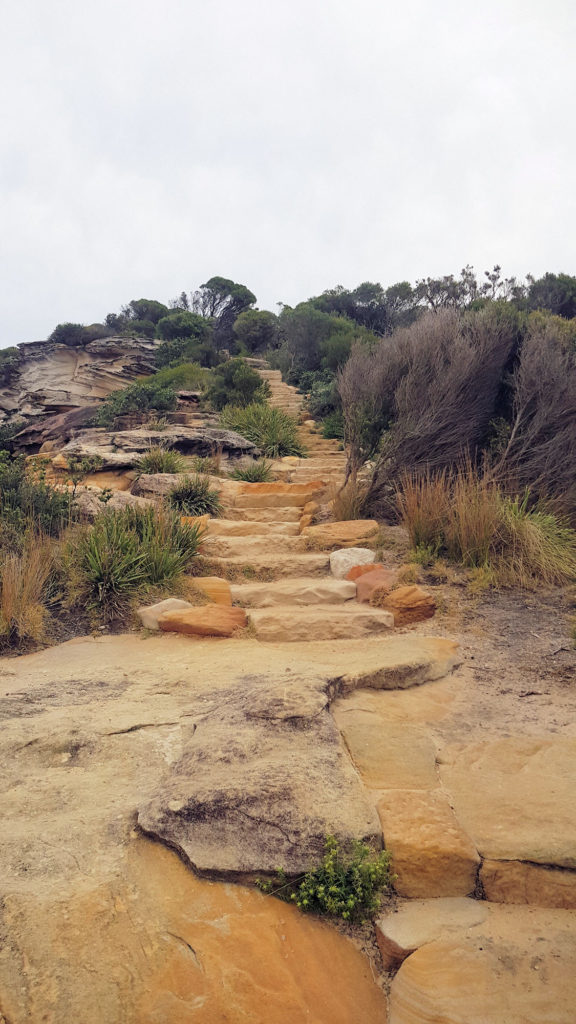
54 379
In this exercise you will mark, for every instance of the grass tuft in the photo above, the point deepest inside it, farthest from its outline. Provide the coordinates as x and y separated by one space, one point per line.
194 496
273 431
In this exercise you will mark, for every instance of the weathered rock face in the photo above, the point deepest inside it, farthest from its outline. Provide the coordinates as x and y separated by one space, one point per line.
407 604
347 534
211 620
118 448
56 378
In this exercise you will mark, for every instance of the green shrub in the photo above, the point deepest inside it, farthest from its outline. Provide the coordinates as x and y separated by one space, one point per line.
333 425
347 887
194 496
186 350
189 376
236 383
254 473
68 334
182 324
124 553
272 430
160 460
10 360
138 397
29 505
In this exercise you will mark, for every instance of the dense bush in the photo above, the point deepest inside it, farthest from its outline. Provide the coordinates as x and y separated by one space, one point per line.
25 584
182 324
186 350
156 393
194 496
124 553
256 330
68 334
274 432
343 886
236 383
10 359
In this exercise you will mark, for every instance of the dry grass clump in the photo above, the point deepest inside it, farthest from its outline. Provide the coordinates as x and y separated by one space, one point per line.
466 517
159 459
24 585
348 501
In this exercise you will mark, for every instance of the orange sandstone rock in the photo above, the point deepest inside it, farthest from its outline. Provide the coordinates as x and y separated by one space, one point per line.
407 604
348 534
379 579
210 620
361 570
215 588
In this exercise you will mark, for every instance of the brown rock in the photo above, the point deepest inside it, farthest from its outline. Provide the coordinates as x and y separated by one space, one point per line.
360 570
200 521
431 854
311 508
407 604
513 881
209 620
383 579
387 754
305 522
150 614
218 590
348 534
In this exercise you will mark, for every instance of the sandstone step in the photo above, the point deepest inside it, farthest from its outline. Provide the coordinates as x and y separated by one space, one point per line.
287 623
290 514
294 591
239 528
255 545
278 495
280 564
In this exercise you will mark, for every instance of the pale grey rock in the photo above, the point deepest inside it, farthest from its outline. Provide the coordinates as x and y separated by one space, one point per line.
344 559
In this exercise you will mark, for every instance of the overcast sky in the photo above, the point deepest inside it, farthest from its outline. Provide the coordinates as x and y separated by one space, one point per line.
291 145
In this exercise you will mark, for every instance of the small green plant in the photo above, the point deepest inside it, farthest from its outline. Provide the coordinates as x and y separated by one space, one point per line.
160 460
343 886
194 496
254 473
236 383
81 466
273 431
333 425
210 464
157 425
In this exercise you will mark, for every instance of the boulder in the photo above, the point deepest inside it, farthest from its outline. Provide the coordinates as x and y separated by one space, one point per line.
199 522
209 620
90 505
118 448
342 561
305 522
349 534
215 588
432 856
302 625
407 604
360 570
150 614
379 580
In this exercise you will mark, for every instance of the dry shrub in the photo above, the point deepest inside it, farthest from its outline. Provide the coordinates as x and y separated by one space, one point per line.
23 590
422 501
472 516
348 501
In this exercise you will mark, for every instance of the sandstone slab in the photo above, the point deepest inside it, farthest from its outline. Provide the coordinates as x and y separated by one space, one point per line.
349 534
431 854
518 966
149 616
279 564
515 797
210 620
402 931
293 591
342 561
388 755
513 881
252 546
216 589
290 623
239 528
407 604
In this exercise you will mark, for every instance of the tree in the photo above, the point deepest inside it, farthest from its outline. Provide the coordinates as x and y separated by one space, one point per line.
182 324
371 306
256 330
222 301
556 292
146 309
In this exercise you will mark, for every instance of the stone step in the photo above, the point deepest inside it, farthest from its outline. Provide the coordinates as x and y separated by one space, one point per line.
277 495
239 528
281 565
287 623
290 514
294 591
256 544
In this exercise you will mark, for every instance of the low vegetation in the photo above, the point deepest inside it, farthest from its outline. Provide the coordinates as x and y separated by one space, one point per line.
274 432
161 460
195 496
466 517
345 886
259 472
